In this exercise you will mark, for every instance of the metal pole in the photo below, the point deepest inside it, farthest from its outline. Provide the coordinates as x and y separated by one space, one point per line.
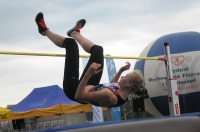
173 98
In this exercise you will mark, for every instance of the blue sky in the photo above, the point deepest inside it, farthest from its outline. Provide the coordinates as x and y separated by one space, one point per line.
123 28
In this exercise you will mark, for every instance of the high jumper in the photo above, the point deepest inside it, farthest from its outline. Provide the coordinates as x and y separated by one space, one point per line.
87 89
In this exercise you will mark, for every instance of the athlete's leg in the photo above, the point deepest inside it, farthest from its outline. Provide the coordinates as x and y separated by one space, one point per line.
55 38
95 51
75 33
84 42
71 71
42 28
96 55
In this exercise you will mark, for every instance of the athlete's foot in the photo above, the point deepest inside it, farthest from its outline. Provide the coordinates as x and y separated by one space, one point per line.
39 19
80 24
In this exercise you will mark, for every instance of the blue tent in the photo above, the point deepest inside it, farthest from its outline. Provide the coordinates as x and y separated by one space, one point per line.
45 101
43 97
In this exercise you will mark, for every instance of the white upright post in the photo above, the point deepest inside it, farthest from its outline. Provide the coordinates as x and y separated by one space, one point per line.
173 98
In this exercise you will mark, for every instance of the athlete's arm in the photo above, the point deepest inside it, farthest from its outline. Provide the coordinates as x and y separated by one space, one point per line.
118 74
82 94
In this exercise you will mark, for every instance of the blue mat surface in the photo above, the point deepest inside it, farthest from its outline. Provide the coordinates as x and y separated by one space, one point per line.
186 122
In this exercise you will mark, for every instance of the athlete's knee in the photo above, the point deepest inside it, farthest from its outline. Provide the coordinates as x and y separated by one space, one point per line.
97 49
70 42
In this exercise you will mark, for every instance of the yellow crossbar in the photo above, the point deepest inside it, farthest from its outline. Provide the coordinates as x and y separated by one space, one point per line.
82 56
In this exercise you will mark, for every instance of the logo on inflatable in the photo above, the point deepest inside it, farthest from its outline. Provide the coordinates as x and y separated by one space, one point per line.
177 60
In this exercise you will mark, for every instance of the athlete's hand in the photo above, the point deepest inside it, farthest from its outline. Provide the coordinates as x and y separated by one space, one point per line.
126 67
94 68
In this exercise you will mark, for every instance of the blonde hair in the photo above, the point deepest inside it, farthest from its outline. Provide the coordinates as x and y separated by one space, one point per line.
138 83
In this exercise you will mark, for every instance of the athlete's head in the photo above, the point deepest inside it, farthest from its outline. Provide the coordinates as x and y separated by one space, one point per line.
134 81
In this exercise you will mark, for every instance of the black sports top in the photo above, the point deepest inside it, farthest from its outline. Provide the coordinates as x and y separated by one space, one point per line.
113 87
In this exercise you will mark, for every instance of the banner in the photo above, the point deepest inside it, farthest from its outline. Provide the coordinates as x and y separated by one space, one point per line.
116 113
97 111
97 114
